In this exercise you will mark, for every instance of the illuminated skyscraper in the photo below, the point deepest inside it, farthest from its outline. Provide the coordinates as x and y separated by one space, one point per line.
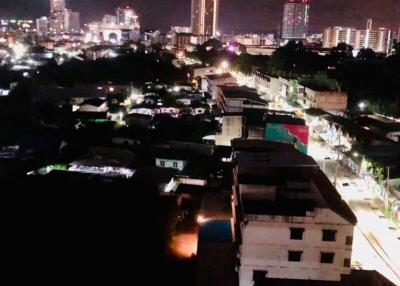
205 17
128 17
57 5
295 19
62 20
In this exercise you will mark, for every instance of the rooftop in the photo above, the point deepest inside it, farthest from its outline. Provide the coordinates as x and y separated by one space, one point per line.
219 76
102 156
242 93
296 177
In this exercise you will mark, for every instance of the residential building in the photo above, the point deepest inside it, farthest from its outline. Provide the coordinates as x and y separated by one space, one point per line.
293 223
266 85
181 29
296 19
236 99
172 159
327 100
213 81
204 17
93 105
378 40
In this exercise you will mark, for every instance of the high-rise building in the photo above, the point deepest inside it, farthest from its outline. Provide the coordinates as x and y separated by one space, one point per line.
378 40
62 20
295 19
205 17
123 26
42 26
72 21
57 5
128 17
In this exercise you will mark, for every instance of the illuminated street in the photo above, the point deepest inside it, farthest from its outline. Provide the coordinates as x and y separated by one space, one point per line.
376 244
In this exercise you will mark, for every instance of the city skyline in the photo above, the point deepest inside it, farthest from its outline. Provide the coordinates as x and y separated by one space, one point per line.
264 15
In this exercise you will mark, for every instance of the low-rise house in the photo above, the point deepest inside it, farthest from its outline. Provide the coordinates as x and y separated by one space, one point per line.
215 80
174 159
327 100
236 99
266 84
381 126
94 105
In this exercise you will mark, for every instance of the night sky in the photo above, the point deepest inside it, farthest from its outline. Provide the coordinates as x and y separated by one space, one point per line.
235 15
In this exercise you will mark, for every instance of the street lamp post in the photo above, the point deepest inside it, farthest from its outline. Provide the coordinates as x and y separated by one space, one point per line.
337 164
355 154
323 167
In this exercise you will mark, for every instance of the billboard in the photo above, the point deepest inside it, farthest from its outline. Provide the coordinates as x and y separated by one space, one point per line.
297 135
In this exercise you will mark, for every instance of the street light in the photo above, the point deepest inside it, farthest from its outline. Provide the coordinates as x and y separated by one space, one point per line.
362 106
224 66
356 155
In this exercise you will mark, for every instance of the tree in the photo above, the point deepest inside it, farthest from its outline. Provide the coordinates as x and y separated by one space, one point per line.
341 52
213 43
366 55
295 59
396 48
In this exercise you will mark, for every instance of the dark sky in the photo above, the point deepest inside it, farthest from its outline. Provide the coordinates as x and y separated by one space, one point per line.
237 15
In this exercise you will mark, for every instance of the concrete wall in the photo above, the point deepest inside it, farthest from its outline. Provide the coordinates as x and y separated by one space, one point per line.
266 242
169 163
325 100
232 127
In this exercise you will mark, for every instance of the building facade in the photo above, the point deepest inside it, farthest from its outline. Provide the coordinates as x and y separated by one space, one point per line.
293 224
204 17
378 40
42 26
295 19
62 20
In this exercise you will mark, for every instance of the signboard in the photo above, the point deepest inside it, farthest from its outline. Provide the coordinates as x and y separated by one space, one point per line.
297 135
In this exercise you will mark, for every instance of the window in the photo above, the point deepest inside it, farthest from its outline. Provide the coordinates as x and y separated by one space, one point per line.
175 164
162 163
347 262
349 240
296 233
328 235
295 256
327 257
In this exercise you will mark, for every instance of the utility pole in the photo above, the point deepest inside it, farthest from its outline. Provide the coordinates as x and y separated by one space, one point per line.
337 164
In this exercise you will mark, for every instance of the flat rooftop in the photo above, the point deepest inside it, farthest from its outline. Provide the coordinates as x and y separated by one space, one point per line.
242 93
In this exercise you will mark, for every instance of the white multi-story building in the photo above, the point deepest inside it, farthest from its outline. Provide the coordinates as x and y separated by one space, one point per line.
293 224
378 40
42 26
123 26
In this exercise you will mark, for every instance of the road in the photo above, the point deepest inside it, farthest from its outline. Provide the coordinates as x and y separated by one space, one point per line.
376 244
